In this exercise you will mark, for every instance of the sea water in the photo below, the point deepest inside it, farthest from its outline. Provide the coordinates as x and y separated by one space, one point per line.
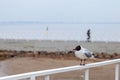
60 31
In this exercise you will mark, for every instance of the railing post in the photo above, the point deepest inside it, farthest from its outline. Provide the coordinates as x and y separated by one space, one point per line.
47 78
33 78
117 72
87 74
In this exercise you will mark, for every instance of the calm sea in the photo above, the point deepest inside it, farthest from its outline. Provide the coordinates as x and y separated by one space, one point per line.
60 31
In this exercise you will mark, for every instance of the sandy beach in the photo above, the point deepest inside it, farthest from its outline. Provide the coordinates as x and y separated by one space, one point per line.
23 63
58 45
2 69
30 64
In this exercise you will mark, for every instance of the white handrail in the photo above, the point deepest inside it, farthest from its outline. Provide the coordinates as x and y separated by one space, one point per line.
46 73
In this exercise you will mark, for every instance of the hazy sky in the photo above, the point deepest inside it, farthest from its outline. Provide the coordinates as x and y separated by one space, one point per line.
60 10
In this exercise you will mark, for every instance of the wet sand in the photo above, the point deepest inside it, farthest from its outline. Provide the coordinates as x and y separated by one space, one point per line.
30 64
2 69
57 45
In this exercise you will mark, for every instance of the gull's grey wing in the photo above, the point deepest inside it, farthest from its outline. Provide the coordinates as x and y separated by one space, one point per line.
87 53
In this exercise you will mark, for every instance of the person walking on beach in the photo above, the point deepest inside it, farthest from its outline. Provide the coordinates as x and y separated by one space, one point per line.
88 35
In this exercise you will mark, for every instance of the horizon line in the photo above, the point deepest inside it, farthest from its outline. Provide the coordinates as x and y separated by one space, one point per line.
53 22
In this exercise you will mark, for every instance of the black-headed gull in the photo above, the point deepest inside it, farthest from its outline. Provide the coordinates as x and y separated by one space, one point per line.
83 54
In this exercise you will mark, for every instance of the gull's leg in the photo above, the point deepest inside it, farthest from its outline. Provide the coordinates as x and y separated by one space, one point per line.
81 61
84 61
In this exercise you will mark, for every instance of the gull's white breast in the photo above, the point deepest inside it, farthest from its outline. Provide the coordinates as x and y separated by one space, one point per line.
80 55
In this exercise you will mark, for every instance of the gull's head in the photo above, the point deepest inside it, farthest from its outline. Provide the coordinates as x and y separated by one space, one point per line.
77 48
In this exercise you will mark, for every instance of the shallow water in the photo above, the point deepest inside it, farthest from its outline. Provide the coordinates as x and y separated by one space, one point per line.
55 31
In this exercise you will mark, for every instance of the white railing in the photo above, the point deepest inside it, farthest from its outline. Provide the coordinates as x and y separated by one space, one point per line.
46 73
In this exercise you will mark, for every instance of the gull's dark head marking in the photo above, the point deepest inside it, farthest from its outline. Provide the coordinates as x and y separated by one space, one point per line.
77 48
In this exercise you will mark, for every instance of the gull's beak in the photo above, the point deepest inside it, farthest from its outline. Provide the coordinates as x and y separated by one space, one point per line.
73 50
